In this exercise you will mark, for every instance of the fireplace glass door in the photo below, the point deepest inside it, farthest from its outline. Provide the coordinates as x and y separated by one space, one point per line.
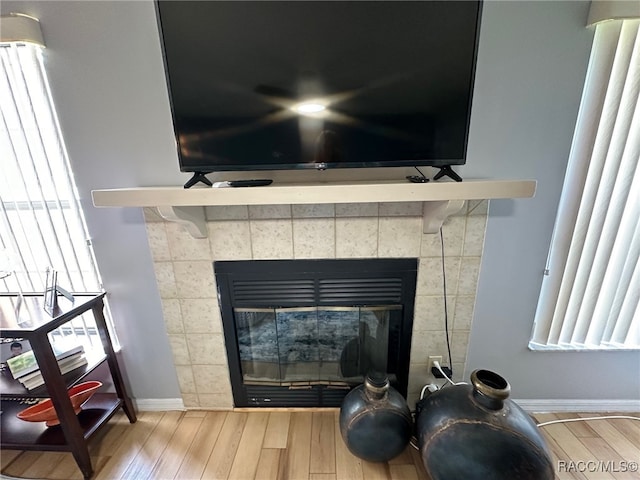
305 346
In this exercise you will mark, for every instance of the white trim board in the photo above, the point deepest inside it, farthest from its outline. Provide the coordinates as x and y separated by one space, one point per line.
575 405
158 404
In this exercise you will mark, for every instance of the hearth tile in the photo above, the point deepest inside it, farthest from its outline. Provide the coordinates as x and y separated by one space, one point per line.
185 379
356 237
172 315
463 315
269 212
430 275
228 212
478 207
206 348
326 210
151 215
190 400
357 210
314 238
194 279
229 240
158 242
165 279
179 349
458 372
397 209
453 234
272 239
474 235
459 345
222 401
201 315
469 271
184 246
212 379
426 343
399 236
429 313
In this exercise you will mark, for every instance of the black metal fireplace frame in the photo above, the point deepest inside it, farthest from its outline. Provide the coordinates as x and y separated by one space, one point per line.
316 282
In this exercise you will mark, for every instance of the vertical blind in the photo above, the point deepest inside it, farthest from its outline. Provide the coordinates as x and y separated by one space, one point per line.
41 224
591 290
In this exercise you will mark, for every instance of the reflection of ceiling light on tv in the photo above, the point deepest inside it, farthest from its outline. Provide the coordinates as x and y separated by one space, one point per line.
308 107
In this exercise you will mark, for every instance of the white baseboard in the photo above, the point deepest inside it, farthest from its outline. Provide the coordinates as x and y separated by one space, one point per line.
158 404
574 405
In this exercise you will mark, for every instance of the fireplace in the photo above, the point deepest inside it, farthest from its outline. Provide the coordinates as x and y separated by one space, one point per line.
305 332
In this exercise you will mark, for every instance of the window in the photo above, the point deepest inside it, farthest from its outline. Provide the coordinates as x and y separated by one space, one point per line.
590 296
41 223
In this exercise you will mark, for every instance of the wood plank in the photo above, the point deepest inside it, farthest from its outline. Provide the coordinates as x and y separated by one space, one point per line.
269 464
629 428
22 463
277 432
44 464
8 456
375 471
322 476
295 461
611 461
130 446
404 458
579 429
558 454
195 413
196 458
245 462
323 447
221 458
627 450
417 461
348 466
403 472
142 465
67 469
169 463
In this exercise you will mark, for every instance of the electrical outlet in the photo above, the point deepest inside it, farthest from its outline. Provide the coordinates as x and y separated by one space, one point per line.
434 358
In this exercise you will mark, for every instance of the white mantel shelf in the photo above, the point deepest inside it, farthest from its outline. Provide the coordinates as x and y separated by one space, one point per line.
441 199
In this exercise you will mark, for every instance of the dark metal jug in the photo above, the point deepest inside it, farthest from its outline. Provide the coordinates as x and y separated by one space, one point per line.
375 421
474 432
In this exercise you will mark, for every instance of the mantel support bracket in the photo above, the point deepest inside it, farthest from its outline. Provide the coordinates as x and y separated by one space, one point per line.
435 213
191 218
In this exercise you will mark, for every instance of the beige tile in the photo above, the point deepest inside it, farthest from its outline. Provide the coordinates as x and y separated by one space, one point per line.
458 373
474 235
314 238
151 215
230 240
399 236
453 235
425 343
185 247
166 279
194 279
478 207
272 239
212 379
430 280
228 212
428 313
356 237
190 400
158 243
356 210
222 401
469 271
324 210
398 209
459 345
185 379
179 349
464 312
201 315
206 349
172 315
269 212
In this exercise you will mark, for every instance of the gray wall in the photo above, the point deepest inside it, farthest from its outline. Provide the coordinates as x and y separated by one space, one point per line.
107 80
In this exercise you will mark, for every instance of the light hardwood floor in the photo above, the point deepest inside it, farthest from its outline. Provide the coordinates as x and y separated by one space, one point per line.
294 446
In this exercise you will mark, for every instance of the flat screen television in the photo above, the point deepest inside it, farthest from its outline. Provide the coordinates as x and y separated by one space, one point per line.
270 85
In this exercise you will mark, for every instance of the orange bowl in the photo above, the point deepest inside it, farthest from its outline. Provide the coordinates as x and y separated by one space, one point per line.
45 412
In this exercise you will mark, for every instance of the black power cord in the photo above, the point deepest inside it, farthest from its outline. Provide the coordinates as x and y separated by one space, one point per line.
417 178
446 313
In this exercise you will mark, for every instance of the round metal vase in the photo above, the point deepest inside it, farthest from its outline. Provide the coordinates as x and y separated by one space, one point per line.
475 432
375 421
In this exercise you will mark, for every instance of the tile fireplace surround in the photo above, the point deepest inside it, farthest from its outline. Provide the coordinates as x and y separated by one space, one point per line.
184 272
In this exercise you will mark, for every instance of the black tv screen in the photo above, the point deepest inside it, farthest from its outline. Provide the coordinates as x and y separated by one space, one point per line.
319 84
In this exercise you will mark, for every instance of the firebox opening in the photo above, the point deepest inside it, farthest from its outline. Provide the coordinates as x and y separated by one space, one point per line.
305 332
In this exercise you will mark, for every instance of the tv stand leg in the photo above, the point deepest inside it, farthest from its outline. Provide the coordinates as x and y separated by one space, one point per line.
198 177
448 172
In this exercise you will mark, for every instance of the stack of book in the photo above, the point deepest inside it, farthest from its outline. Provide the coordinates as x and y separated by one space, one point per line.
25 369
